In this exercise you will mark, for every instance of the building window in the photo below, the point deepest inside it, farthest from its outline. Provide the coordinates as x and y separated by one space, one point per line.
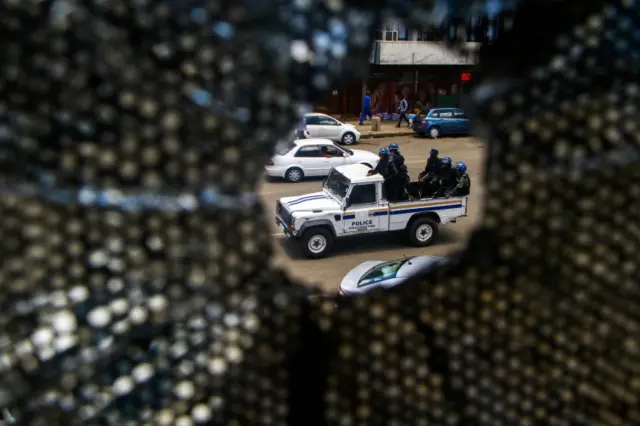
387 35
482 30
486 30
433 34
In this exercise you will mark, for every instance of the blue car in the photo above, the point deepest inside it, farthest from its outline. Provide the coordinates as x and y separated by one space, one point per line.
442 122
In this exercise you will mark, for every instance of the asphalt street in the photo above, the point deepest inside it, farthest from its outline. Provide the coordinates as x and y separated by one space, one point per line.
328 272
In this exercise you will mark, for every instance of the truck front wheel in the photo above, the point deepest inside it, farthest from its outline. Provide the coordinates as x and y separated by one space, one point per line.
422 232
317 242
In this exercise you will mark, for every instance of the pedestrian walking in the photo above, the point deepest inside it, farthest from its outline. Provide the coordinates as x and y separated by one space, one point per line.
403 108
366 108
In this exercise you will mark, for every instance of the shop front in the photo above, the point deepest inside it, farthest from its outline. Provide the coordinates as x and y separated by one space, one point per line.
423 87
428 74
342 103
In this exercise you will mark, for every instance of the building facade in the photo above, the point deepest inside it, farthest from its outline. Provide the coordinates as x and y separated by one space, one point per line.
416 64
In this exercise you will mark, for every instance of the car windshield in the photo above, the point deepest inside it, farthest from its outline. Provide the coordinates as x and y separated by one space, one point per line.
343 150
337 184
284 147
381 272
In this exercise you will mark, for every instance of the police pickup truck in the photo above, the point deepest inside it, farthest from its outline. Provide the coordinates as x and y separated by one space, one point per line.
352 203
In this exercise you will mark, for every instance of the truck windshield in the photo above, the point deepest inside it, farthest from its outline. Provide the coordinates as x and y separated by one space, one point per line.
337 184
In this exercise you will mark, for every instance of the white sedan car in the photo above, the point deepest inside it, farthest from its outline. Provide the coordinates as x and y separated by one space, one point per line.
322 126
377 273
314 157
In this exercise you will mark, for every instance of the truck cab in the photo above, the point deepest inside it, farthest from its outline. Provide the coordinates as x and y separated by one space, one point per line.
352 203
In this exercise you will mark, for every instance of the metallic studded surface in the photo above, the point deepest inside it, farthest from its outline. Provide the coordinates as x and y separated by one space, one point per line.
135 283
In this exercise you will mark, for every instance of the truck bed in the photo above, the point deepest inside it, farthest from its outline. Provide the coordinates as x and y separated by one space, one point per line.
414 189
447 209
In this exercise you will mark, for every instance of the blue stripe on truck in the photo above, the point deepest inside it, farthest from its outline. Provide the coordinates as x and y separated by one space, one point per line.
425 209
408 210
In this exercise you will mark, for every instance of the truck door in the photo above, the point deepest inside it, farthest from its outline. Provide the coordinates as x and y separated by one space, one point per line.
382 212
361 216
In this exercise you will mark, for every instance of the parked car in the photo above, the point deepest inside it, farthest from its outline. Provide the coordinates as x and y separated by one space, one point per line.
442 122
378 273
322 126
314 157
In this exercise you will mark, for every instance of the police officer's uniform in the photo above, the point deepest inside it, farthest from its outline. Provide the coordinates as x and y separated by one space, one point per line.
432 167
388 170
463 182
446 178
401 178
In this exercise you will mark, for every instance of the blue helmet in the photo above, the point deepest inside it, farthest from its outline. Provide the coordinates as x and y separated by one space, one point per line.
433 151
393 146
461 167
383 151
446 161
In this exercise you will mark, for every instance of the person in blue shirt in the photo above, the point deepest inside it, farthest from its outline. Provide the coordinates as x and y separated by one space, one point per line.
366 108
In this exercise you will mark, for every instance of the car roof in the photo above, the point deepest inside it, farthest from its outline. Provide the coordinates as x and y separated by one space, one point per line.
313 141
418 263
357 173
444 109
319 114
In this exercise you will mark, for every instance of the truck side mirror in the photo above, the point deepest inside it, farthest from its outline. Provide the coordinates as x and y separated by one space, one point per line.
347 202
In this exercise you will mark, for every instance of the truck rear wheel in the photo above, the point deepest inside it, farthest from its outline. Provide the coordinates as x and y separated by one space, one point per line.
317 242
422 232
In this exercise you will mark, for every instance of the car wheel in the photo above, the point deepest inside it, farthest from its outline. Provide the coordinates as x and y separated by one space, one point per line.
434 132
422 232
348 138
294 174
317 243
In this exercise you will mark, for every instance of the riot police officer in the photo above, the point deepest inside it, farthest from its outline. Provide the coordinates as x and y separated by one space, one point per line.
429 176
463 182
401 180
383 164
432 167
389 172
446 176
394 151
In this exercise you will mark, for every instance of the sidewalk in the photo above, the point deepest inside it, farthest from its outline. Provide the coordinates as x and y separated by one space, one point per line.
387 129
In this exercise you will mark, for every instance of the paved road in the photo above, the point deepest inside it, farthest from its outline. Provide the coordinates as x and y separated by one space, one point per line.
328 272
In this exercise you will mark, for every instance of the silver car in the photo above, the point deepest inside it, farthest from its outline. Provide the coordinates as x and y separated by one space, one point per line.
378 273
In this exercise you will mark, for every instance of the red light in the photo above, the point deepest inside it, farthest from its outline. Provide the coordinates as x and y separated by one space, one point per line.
465 76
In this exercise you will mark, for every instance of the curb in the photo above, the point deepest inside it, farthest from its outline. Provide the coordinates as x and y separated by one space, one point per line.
384 135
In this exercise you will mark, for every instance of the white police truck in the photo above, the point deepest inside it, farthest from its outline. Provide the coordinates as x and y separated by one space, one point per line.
352 203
